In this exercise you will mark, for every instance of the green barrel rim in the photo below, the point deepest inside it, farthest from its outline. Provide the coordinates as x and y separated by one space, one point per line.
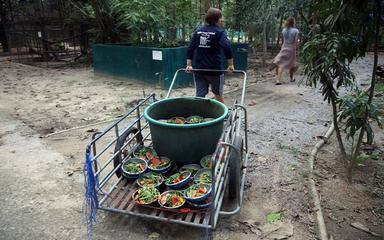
193 125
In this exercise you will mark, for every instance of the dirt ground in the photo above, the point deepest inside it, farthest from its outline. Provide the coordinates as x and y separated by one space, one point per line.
41 180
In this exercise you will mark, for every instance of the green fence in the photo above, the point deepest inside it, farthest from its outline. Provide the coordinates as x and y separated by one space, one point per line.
151 65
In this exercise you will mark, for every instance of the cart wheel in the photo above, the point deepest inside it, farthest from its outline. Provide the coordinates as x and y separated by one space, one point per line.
124 152
235 162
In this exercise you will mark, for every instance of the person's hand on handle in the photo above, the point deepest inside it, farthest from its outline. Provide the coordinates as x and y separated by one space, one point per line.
188 68
230 67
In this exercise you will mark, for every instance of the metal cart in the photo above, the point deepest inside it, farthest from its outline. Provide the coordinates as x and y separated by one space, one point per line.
107 189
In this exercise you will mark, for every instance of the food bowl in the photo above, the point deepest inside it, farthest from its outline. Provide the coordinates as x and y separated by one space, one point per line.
150 179
193 168
178 180
183 142
146 195
145 153
203 176
194 119
177 120
197 192
171 199
160 164
133 167
204 204
206 161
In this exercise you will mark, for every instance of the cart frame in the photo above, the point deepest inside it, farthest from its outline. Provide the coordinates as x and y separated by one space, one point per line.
107 189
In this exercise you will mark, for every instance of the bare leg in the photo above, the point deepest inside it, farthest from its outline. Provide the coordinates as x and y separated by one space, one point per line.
279 75
219 98
291 72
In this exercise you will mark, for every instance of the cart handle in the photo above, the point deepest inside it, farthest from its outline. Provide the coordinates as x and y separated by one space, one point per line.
211 70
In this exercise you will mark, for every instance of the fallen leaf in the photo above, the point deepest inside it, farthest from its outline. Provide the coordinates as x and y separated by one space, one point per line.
273 216
363 228
154 235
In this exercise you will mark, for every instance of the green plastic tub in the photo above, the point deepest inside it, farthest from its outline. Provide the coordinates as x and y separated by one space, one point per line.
186 143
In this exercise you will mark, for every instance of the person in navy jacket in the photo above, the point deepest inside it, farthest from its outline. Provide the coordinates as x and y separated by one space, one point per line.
205 46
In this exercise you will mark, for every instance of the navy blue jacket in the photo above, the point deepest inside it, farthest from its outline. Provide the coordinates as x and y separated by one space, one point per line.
208 42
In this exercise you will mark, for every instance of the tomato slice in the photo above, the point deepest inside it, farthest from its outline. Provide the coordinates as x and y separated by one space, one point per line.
149 155
202 190
174 200
155 162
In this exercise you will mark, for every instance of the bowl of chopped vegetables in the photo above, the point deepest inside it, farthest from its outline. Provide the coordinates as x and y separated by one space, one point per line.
145 153
194 119
178 180
160 164
171 199
193 168
204 204
203 176
150 179
133 167
206 161
177 120
197 192
146 195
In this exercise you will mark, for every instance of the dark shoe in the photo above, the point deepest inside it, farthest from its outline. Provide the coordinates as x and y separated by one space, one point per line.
278 83
293 80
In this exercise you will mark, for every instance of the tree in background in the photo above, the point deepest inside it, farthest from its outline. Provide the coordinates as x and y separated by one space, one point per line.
340 32
3 22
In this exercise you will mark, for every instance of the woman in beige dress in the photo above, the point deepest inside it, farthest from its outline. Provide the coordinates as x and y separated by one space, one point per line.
286 59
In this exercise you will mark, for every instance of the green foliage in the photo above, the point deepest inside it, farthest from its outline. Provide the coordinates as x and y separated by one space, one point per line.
153 21
352 112
150 22
327 58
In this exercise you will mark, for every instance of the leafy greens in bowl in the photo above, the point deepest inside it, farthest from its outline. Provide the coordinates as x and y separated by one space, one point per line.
150 179
145 153
171 199
178 180
197 192
146 195
133 167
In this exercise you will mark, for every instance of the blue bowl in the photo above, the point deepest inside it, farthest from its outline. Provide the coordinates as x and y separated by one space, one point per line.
182 183
144 175
163 169
147 149
200 198
193 168
200 172
206 161
131 175
169 192
205 204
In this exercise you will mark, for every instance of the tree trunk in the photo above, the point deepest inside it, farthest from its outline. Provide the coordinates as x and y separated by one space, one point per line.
3 21
279 30
337 130
371 93
206 5
265 38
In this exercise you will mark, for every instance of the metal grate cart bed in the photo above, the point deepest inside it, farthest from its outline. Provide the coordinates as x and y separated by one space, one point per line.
107 189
